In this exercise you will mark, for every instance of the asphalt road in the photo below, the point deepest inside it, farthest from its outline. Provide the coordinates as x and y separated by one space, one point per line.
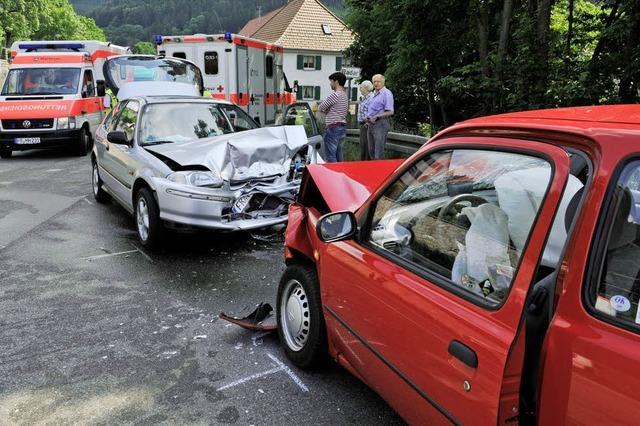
95 330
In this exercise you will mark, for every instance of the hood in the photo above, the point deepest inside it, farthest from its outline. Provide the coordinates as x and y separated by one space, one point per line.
156 88
346 186
252 154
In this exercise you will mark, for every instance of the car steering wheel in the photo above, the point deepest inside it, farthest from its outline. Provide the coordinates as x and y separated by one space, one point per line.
475 201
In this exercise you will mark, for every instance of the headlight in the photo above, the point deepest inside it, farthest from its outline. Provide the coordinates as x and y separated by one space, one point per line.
207 179
66 123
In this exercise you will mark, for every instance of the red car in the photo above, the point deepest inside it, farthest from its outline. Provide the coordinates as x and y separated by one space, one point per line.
493 277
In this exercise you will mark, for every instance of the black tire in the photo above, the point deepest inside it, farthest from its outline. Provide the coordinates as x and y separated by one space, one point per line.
306 350
83 144
5 152
99 194
154 236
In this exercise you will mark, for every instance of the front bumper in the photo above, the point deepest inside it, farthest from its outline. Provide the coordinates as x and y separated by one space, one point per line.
48 139
188 206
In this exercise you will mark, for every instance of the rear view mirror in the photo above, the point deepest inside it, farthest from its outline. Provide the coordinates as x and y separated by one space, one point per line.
119 137
336 226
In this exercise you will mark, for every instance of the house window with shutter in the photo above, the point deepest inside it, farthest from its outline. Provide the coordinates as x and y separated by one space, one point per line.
308 92
338 63
309 62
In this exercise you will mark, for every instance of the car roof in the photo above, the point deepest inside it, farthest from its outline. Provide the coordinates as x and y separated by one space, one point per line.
613 114
179 98
602 126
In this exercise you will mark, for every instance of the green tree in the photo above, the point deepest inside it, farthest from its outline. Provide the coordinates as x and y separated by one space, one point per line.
144 48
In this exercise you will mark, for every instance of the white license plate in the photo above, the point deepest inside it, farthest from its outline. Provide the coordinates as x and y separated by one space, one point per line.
26 141
241 204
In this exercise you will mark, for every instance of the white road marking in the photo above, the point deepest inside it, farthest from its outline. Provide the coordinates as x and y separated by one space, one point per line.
53 170
100 256
88 202
248 378
291 374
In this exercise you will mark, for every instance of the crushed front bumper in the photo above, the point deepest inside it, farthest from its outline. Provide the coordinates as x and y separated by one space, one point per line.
188 206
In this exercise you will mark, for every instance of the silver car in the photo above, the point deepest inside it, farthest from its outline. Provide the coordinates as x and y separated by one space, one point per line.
186 161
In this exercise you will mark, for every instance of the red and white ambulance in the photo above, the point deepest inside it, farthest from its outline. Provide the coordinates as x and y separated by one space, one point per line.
52 95
245 71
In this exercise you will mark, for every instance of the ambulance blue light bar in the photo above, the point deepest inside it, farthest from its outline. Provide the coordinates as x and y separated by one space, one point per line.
157 38
228 36
36 46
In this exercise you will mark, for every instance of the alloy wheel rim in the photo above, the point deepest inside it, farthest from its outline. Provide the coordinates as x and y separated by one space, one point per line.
142 218
95 180
295 315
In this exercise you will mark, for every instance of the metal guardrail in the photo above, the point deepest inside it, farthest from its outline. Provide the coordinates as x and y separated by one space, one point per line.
399 142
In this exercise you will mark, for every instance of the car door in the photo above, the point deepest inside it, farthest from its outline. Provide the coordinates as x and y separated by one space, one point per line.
592 351
117 159
301 114
426 303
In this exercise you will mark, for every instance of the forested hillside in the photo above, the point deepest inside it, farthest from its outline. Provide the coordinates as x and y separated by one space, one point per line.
128 21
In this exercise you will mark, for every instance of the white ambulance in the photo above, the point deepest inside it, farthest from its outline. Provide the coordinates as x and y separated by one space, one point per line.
52 95
245 71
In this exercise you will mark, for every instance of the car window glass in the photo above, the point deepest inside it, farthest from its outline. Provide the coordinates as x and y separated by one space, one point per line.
300 115
239 119
128 119
88 86
465 215
179 122
618 288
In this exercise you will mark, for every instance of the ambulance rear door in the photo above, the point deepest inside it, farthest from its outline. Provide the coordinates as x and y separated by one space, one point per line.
256 84
270 97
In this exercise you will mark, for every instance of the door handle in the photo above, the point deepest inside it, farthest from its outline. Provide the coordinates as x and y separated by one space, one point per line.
464 353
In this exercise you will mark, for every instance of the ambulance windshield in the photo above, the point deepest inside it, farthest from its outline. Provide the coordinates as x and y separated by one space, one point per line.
136 68
41 81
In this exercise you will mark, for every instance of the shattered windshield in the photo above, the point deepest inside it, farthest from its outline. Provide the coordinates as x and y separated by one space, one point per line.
41 81
181 122
126 69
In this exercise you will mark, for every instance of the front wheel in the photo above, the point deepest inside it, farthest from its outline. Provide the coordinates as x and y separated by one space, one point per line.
99 194
301 325
83 144
148 223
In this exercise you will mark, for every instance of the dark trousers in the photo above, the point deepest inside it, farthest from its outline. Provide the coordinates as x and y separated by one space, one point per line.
377 135
364 144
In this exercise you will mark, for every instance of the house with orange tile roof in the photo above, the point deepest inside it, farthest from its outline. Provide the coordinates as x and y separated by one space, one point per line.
314 40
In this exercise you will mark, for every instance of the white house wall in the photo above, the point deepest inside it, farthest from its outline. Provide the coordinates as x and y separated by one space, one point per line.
316 78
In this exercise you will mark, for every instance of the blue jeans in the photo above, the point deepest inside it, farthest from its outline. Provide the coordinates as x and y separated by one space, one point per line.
333 140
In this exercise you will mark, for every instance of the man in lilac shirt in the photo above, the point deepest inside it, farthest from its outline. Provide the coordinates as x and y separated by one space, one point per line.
380 108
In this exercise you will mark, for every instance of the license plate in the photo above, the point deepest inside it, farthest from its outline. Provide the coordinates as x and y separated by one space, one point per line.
241 204
26 141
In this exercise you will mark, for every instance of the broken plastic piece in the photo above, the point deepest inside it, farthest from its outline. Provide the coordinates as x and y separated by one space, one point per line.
259 319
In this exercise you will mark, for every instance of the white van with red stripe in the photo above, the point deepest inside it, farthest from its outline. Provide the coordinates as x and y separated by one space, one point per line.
52 95
245 71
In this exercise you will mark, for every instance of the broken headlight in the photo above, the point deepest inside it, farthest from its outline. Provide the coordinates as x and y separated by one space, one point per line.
196 178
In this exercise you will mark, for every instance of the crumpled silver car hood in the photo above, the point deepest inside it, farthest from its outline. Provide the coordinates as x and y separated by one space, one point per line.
236 157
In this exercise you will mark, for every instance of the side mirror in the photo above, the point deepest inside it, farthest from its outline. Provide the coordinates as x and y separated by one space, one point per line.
84 93
336 226
106 101
101 88
119 137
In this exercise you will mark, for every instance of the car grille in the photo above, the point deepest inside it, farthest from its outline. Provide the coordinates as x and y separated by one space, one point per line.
28 123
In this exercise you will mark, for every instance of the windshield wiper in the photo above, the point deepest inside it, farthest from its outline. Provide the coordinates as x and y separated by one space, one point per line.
155 143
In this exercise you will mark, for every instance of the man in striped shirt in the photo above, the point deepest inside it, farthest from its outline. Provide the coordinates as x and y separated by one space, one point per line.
335 107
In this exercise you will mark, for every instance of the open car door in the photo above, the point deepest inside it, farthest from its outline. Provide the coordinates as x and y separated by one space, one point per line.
426 302
301 114
139 75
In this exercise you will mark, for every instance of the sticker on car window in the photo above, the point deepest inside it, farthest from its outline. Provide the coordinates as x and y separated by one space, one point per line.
620 303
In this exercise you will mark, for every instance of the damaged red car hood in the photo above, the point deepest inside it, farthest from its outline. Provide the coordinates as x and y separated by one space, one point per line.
346 186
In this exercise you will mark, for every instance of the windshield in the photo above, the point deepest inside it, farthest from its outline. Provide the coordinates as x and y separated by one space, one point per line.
126 69
41 81
182 122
